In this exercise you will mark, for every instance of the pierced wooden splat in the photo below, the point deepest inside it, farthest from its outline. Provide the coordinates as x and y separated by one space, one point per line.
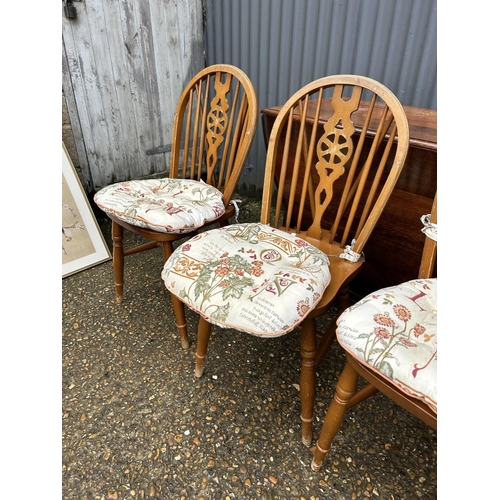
333 176
216 117
217 120
334 150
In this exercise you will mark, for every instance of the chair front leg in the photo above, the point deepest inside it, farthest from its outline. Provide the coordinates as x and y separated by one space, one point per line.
307 378
117 236
346 386
204 328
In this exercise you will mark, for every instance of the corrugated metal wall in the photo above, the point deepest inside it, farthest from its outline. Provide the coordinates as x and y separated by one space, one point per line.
284 44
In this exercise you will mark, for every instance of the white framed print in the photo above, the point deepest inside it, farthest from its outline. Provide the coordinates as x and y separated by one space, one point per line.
83 244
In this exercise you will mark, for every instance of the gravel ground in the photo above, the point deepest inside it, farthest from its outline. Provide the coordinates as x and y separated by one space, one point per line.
137 423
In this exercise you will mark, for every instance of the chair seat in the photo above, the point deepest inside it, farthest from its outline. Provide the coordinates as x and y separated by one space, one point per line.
164 205
276 278
394 330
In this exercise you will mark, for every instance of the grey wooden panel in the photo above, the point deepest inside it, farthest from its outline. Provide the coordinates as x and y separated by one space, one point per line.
127 62
75 123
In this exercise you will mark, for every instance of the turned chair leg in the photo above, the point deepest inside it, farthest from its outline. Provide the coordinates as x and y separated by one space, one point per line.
346 386
204 328
117 236
325 343
307 378
177 305
343 300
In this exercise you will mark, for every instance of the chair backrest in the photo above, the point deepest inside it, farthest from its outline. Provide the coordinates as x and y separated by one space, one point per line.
214 127
429 253
335 152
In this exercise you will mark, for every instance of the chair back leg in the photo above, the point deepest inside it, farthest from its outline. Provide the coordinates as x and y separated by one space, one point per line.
117 237
307 377
177 305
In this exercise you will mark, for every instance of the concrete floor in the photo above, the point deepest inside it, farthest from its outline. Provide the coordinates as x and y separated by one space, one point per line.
138 424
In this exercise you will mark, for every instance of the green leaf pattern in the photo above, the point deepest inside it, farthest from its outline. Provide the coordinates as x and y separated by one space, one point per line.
394 330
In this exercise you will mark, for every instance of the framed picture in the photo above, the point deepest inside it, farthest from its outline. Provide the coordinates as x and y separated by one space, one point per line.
83 245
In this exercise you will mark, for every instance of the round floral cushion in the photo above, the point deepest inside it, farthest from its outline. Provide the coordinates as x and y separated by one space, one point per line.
394 330
250 277
164 205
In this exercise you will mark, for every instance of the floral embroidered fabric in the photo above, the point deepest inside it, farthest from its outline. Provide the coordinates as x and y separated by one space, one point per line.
394 330
164 205
250 277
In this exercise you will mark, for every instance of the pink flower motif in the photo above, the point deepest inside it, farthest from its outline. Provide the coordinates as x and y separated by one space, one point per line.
301 243
402 312
222 271
186 247
302 308
383 320
418 330
256 271
406 342
381 333
224 283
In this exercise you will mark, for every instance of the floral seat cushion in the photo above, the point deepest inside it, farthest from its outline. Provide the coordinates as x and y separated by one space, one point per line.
250 277
164 205
394 331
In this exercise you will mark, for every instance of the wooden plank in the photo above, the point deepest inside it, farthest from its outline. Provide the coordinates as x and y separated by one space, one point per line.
75 123
113 101
124 113
83 71
422 122
177 46
127 63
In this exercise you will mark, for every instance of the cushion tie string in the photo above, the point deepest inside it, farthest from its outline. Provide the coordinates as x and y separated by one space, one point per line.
429 229
349 254
236 208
